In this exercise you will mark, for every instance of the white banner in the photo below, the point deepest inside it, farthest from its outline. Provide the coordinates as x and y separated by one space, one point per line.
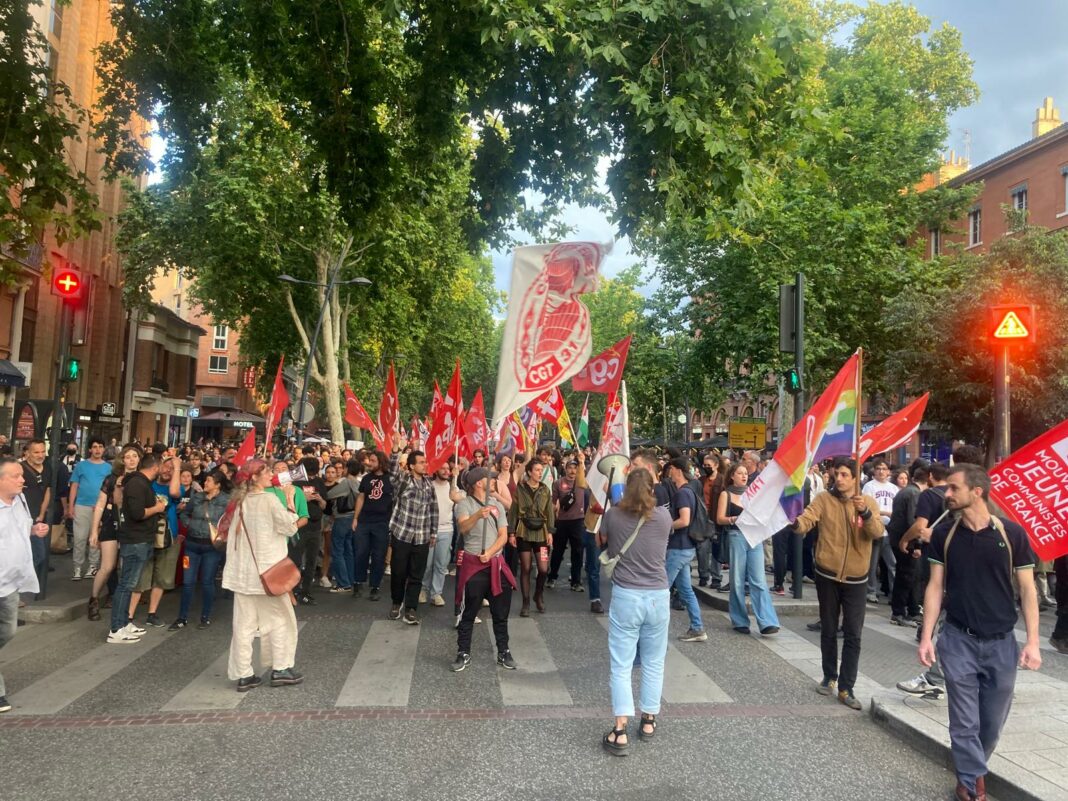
547 337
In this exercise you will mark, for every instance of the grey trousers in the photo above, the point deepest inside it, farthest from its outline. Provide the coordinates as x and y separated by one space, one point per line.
9 624
980 677
881 550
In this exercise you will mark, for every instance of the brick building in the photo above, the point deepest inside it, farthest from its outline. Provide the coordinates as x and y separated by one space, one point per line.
74 30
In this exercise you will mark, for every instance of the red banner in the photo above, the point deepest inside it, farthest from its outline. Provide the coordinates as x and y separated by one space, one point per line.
279 402
550 405
1031 487
356 415
603 372
444 431
895 430
247 449
475 425
389 411
435 405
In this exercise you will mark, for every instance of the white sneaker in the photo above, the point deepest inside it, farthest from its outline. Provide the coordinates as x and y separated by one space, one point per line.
77 574
437 600
485 602
388 571
478 619
123 637
90 573
131 628
917 686
422 596
325 582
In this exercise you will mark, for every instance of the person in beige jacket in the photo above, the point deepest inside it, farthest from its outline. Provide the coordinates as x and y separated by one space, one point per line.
848 523
257 536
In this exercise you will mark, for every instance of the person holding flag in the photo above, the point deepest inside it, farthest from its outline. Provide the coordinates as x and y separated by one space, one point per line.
412 526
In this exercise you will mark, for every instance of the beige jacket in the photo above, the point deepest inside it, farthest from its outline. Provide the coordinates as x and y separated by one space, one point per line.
843 550
269 524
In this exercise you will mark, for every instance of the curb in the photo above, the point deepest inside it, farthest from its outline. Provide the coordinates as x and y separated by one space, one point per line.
1006 780
787 606
52 613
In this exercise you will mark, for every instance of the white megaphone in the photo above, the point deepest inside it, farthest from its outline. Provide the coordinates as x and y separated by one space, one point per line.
614 466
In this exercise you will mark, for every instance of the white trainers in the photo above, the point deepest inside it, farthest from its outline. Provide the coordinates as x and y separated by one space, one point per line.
134 629
919 686
422 596
437 600
90 573
77 574
326 583
485 602
123 637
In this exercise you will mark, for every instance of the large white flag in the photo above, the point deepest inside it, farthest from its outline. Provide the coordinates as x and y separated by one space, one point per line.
615 438
547 337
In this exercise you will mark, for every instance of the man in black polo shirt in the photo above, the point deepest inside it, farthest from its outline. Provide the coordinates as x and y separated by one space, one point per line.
973 559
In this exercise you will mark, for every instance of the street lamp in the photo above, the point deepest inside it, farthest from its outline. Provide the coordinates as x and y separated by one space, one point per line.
330 284
687 425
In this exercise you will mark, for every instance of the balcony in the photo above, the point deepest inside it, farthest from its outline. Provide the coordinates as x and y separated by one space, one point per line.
159 384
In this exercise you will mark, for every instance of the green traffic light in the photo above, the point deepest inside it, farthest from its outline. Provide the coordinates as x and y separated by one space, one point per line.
793 381
72 370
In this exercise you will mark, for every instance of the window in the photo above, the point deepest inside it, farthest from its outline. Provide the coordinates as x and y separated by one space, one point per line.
935 236
218 364
1064 177
53 64
55 19
1019 198
975 227
218 340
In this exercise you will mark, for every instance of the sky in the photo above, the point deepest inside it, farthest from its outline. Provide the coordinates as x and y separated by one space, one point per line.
1019 54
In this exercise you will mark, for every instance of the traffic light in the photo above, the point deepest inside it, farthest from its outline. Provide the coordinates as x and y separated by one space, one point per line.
72 370
1013 324
793 382
68 284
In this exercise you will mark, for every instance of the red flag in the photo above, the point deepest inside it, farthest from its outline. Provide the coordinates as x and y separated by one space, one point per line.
550 405
1029 487
435 405
446 425
612 407
389 410
247 450
279 402
356 415
475 425
603 372
895 430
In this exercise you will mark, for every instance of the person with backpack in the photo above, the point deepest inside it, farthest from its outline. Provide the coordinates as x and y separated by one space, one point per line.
681 548
342 546
975 559
570 500
746 561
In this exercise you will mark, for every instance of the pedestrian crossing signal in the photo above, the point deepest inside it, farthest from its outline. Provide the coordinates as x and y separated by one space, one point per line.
1013 324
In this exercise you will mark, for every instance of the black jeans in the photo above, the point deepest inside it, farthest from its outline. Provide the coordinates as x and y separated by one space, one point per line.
568 532
477 588
782 545
406 572
305 555
845 602
905 597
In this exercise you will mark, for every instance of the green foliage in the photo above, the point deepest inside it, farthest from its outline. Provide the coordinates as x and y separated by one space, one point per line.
38 186
951 353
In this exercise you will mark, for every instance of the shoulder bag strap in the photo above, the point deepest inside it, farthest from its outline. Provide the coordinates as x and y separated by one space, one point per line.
631 538
945 548
1000 527
241 522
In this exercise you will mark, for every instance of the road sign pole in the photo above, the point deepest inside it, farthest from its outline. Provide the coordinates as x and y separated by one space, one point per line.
799 410
1002 419
56 432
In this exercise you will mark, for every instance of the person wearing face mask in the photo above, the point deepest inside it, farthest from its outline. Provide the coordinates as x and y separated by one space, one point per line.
709 573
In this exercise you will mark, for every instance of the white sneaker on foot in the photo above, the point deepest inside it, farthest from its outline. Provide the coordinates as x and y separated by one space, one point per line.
422 596
437 600
131 628
325 582
77 574
123 637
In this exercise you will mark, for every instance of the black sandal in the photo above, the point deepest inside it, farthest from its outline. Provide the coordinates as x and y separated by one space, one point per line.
615 748
646 720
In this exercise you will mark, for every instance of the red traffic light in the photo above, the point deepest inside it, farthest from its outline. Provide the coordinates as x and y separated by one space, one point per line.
1013 324
68 284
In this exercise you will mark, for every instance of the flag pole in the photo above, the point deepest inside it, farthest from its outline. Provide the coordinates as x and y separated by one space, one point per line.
856 427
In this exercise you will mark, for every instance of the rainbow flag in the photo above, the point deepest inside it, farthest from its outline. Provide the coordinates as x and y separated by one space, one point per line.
775 498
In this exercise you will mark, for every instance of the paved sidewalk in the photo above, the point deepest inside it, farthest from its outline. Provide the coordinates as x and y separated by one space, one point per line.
66 599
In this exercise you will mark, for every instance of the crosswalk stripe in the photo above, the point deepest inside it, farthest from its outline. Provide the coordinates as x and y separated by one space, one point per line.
212 689
65 686
684 681
383 670
537 682
34 637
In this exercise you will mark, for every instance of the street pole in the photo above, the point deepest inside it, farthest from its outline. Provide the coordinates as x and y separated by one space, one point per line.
799 408
1002 420
57 430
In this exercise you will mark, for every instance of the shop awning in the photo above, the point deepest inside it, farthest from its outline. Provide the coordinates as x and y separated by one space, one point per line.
229 417
10 375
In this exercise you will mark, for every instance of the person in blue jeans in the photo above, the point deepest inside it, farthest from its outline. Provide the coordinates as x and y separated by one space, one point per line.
639 614
370 525
199 516
342 552
681 549
747 561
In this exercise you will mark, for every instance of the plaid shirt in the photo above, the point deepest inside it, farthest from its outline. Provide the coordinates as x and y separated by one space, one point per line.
415 505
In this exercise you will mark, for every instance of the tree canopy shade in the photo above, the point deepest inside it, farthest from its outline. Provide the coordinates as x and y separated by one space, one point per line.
39 187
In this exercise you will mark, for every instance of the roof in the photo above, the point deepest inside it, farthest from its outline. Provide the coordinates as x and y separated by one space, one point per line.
1038 143
162 311
10 375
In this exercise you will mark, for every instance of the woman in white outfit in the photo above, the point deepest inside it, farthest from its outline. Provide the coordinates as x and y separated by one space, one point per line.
267 524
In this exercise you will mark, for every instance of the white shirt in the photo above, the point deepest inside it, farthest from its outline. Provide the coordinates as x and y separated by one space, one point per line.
16 557
883 492
442 490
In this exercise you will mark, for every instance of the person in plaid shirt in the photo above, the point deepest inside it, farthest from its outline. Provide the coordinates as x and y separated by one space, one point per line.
413 525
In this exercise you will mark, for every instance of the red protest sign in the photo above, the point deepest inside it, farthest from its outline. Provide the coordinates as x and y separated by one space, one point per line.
1031 487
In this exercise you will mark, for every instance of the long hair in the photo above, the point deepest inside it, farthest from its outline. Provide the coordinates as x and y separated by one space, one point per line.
638 498
244 480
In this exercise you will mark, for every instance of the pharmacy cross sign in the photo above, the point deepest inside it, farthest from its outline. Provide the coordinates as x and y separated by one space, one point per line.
67 284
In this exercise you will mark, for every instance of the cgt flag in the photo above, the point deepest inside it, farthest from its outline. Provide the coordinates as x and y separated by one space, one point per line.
603 372
475 425
1031 487
547 337
279 402
550 406
446 426
389 411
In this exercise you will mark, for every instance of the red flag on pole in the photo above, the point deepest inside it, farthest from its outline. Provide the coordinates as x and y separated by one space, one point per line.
279 402
603 372
247 449
389 410
475 424
356 415
435 405
550 405
444 431
894 431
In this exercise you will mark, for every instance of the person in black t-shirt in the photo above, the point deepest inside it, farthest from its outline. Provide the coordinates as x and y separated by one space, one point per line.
974 558
37 473
305 552
374 505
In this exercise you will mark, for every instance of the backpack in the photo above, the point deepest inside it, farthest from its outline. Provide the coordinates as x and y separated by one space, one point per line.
346 504
701 527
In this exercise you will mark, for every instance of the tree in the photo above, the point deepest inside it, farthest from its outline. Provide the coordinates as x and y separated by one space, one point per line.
39 188
952 355
845 214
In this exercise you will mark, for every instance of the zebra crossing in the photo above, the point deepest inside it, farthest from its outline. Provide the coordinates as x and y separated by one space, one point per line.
384 665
